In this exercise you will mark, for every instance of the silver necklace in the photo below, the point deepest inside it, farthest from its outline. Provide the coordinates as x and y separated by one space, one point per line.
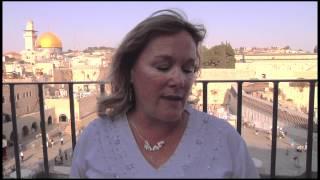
147 145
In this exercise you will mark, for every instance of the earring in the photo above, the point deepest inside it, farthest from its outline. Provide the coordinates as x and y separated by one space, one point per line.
131 94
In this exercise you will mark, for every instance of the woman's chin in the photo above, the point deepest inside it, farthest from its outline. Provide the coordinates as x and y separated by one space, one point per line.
172 116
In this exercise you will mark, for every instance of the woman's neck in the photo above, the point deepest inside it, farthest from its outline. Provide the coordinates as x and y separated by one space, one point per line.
153 128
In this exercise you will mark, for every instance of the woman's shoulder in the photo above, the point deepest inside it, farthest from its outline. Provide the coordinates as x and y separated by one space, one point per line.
104 124
212 123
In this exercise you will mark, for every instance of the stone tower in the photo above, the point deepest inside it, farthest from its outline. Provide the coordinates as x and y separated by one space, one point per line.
29 36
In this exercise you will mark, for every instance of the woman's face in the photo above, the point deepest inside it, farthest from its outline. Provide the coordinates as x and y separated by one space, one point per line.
163 75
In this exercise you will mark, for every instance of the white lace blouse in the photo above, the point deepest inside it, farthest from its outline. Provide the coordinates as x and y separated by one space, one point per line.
209 148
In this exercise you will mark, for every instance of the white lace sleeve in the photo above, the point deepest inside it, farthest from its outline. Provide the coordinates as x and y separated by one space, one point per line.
78 155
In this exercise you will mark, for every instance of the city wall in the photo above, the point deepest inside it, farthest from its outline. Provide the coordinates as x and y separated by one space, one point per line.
62 107
27 120
277 56
87 105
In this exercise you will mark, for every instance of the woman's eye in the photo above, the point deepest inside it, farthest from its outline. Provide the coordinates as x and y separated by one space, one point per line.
163 68
189 69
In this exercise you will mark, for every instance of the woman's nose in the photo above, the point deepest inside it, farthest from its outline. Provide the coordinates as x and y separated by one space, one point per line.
177 78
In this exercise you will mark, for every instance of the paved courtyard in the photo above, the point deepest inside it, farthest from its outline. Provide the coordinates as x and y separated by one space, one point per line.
260 148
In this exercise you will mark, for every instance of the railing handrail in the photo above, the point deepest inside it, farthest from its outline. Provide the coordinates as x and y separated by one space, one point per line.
200 81
312 83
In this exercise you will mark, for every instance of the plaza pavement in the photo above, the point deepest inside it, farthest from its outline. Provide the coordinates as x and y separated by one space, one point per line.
260 148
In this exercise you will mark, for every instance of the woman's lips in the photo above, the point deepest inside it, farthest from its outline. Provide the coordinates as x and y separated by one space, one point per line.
172 98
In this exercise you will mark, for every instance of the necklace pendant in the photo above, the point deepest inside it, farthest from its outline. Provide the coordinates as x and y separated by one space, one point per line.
156 147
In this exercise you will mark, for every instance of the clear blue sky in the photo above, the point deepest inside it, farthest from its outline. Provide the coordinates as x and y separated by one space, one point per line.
83 24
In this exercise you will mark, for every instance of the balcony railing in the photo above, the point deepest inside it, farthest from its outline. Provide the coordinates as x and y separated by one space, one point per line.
307 174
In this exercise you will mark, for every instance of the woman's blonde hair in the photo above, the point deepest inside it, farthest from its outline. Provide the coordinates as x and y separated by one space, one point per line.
162 22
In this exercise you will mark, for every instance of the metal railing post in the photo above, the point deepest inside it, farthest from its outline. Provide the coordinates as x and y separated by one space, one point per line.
73 126
274 128
204 97
239 107
310 130
15 130
45 141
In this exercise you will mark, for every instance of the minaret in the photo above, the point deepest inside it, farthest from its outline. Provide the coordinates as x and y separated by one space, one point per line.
29 36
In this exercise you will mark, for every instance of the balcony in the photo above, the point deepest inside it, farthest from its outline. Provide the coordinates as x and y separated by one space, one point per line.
244 128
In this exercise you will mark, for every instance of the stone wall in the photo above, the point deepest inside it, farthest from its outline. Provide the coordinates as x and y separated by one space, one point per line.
27 120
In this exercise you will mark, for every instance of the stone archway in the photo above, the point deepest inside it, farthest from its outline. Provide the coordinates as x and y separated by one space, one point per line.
6 118
63 118
34 127
49 120
25 131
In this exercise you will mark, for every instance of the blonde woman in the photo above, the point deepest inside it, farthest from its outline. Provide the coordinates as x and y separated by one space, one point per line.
146 128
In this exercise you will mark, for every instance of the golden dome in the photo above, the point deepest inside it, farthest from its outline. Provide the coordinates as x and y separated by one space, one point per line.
48 40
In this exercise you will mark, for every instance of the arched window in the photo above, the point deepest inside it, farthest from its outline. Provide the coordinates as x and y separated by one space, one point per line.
34 127
6 118
49 120
63 118
25 131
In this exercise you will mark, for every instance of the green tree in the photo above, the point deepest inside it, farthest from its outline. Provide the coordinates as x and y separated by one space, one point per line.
220 56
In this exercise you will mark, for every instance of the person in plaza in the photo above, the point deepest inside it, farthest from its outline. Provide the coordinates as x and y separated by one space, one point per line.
21 155
47 140
61 140
60 155
51 142
305 147
20 147
146 128
257 132
66 154
4 148
296 161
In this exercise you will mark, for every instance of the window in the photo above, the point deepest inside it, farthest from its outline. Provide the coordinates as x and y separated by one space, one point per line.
63 118
5 118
